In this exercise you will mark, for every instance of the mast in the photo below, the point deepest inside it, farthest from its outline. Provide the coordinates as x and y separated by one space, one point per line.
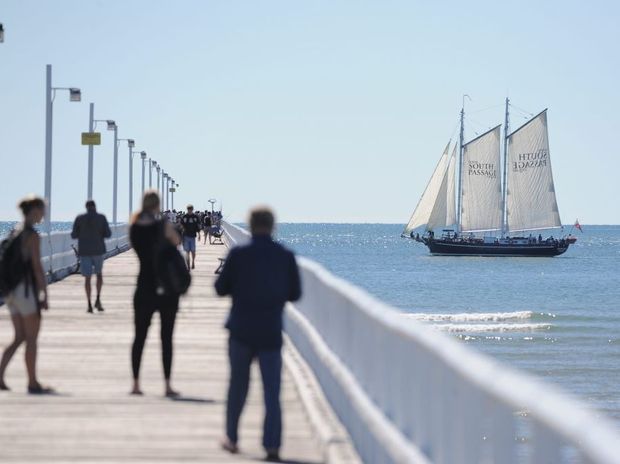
461 137
505 186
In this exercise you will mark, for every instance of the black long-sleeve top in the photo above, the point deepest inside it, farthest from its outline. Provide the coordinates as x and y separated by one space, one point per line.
145 235
261 277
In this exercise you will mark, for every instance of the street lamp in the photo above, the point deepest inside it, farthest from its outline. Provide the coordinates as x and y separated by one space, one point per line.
152 164
130 144
172 190
168 180
158 169
163 190
111 125
143 158
212 201
50 93
1 33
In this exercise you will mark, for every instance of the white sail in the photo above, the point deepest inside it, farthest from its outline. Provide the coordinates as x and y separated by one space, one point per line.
451 208
443 212
530 199
481 183
424 209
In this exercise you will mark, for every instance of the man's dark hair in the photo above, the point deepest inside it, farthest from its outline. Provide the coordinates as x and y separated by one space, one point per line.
91 206
261 220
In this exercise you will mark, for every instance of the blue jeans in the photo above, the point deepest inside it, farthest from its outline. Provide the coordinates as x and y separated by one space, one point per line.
270 363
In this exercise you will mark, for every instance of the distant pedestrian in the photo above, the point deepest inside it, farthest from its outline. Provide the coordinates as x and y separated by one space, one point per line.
27 290
206 225
190 223
261 277
91 229
162 279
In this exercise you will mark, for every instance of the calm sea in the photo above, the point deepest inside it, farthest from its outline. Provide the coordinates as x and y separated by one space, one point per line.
557 318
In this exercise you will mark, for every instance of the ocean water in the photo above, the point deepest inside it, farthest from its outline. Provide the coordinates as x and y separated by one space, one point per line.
7 226
556 318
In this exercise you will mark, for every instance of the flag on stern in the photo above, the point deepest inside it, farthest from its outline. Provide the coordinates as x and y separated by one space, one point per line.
578 226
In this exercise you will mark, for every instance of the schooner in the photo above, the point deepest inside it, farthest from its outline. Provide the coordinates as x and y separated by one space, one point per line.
484 208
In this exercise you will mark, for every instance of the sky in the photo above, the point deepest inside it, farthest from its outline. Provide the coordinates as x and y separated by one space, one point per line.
327 110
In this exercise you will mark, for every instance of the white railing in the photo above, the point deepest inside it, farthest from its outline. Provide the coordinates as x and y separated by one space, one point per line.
407 393
59 258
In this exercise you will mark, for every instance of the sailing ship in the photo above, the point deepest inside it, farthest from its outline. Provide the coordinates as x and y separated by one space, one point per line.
485 210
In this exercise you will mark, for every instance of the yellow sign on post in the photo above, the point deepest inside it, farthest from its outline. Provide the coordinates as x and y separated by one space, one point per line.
91 138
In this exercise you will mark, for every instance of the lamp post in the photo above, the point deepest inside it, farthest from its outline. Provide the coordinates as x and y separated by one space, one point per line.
172 191
143 159
163 188
1 33
130 144
168 179
111 125
158 169
152 164
212 201
75 95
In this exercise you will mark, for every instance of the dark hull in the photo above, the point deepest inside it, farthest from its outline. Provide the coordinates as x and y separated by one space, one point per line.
445 247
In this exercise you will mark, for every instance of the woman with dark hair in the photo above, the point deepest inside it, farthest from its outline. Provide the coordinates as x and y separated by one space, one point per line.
28 293
154 241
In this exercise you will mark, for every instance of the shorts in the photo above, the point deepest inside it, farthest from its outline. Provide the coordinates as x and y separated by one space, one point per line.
20 304
189 244
90 265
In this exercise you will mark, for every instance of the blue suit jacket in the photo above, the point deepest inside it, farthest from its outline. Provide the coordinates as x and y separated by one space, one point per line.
261 277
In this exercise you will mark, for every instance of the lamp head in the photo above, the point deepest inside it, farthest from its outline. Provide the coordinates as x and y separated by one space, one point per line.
111 124
131 143
75 95
143 155
154 163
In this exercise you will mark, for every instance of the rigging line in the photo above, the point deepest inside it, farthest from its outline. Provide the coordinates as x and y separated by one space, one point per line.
486 109
521 109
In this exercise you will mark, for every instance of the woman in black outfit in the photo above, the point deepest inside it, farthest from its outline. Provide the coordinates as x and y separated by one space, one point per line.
153 240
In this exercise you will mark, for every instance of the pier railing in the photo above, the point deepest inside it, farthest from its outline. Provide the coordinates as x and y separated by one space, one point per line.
58 254
409 394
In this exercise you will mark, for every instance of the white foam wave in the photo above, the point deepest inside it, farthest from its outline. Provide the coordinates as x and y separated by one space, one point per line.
471 317
477 328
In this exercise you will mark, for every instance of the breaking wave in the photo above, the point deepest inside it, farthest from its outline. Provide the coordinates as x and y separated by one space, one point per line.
478 328
472 317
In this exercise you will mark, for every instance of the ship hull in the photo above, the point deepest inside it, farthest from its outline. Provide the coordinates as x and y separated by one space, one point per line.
453 248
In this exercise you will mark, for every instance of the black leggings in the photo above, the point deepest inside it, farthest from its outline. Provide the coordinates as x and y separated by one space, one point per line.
143 313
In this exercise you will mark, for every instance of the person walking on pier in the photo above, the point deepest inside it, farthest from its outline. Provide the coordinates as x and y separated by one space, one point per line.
91 229
190 223
27 290
162 278
261 277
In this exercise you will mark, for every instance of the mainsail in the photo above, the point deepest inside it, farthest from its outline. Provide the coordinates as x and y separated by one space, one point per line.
423 214
481 183
530 199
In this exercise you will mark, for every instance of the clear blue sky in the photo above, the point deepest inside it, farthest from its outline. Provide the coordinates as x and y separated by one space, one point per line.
327 110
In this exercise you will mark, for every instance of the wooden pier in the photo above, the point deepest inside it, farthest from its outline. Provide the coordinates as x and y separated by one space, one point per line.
86 358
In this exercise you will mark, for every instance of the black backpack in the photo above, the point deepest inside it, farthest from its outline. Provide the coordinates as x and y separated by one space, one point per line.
13 267
171 271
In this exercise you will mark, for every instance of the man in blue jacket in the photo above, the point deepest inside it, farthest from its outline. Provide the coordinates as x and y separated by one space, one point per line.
261 277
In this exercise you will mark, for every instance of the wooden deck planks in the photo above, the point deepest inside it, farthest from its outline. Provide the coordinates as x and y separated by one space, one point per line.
86 358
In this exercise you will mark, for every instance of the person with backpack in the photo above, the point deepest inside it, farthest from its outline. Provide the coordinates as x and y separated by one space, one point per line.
91 229
23 283
162 279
